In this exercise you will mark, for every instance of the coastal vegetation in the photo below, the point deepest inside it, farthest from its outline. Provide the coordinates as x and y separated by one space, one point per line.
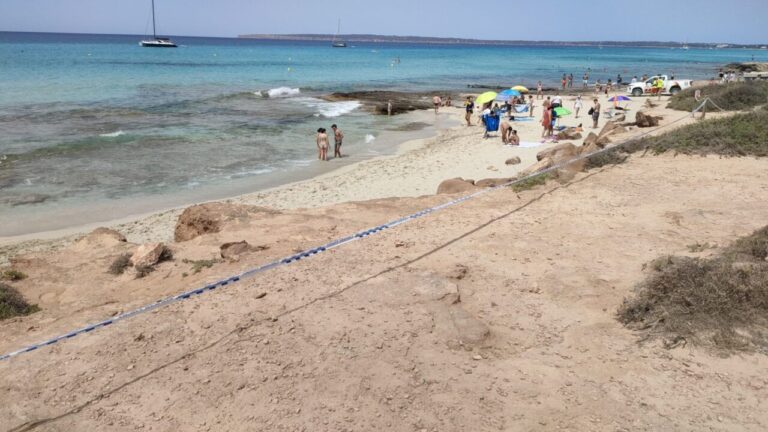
12 275
737 96
13 304
719 302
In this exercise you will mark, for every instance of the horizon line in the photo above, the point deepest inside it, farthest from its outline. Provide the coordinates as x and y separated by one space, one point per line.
395 38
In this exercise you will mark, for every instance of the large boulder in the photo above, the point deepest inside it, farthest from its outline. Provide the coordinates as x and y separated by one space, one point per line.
456 185
589 149
492 182
147 255
564 148
537 167
570 133
209 218
611 128
108 232
644 120
232 251
98 239
513 161
590 139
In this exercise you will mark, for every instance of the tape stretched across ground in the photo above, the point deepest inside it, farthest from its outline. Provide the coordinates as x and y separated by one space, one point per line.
320 249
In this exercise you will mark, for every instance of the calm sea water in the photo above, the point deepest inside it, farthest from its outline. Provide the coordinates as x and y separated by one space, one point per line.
91 125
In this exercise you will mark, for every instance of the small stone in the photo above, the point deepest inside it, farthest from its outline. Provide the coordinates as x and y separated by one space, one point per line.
477 357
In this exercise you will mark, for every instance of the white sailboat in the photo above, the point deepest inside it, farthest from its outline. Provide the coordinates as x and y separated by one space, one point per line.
338 43
156 42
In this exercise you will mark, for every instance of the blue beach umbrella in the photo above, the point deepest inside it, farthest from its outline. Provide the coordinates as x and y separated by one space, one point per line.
506 94
619 98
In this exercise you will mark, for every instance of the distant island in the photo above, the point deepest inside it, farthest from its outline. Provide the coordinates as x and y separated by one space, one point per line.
368 38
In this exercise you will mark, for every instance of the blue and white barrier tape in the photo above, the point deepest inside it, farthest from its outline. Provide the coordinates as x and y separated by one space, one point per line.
310 252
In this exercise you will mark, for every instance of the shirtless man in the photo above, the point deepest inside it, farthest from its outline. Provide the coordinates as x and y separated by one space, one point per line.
437 101
595 113
530 105
338 137
505 128
322 144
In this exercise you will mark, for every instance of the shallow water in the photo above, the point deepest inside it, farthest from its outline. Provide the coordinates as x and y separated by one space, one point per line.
99 124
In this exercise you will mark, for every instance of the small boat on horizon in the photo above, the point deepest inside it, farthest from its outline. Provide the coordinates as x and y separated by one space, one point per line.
157 42
338 43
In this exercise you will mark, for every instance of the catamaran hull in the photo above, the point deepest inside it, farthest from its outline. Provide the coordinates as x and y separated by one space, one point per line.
152 44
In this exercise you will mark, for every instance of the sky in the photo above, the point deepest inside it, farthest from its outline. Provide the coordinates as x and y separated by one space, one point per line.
731 21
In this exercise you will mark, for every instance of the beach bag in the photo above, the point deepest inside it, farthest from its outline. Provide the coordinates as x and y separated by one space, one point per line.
591 111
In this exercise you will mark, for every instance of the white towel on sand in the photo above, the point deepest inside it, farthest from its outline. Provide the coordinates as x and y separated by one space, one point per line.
529 144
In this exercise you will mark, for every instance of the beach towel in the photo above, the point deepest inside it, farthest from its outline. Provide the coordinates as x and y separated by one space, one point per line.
523 119
525 144
521 108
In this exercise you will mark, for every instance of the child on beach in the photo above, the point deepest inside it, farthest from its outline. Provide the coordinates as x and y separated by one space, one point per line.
513 138
338 137
322 145
469 107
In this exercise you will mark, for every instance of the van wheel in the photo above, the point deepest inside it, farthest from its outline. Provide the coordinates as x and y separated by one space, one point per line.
674 90
637 92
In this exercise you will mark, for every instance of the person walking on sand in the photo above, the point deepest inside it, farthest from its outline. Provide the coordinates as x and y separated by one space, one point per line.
577 105
338 137
437 101
530 105
469 107
322 144
389 108
595 112
539 90
546 122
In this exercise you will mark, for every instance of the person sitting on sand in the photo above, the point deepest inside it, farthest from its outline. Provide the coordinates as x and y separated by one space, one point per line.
448 102
505 128
557 101
513 138
322 144
437 101
469 107
338 137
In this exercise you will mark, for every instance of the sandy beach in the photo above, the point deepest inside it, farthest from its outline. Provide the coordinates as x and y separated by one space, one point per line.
417 168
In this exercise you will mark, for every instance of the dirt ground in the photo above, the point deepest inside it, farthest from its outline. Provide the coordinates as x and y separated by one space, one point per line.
494 315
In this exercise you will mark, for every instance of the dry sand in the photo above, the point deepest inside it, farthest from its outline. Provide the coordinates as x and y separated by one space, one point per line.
497 314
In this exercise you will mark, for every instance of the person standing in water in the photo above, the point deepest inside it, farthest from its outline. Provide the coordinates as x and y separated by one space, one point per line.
322 144
437 101
389 108
338 137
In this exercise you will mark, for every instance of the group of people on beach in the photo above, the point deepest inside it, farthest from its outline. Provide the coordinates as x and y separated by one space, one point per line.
323 143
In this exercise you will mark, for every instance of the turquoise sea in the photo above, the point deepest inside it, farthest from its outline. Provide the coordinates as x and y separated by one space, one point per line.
94 127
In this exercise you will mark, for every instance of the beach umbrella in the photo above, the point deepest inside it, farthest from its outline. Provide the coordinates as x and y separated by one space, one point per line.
506 94
619 98
485 98
562 112
520 88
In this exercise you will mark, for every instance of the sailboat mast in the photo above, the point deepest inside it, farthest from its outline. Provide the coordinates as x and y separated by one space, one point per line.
154 30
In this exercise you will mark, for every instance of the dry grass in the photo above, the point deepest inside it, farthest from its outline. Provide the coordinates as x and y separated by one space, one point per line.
12 275
719 302
731 96
13 304
120 264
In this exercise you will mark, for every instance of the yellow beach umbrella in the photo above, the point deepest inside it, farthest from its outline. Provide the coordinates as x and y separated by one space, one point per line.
485 97
520 88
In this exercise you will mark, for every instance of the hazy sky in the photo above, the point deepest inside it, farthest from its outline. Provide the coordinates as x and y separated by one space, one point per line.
738 21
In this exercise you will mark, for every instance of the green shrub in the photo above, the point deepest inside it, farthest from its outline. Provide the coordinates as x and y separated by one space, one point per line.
13 304
731 96
13 275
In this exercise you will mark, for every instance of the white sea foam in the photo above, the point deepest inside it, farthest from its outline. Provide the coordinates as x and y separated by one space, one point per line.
113 134
330 109
369 138
283 92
